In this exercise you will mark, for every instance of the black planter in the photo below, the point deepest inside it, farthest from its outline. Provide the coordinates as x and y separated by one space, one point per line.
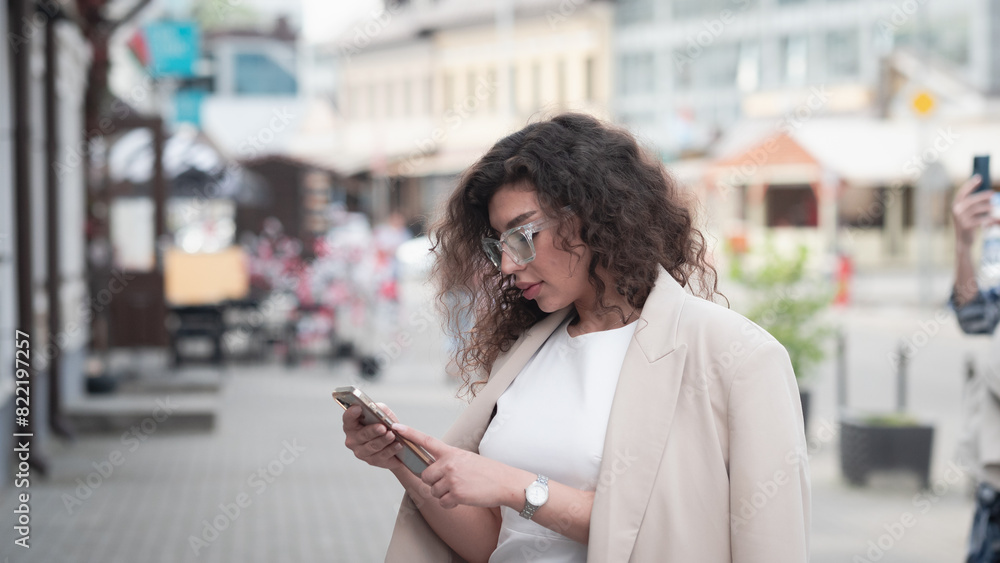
866 445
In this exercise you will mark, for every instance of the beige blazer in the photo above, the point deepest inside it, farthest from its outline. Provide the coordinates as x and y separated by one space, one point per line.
705 456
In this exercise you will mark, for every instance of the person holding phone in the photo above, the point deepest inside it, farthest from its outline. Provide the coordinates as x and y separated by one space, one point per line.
618 413
978 312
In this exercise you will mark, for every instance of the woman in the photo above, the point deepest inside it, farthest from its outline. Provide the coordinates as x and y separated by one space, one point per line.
618 413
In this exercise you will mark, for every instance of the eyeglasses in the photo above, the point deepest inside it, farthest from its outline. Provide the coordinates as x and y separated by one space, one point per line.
516 242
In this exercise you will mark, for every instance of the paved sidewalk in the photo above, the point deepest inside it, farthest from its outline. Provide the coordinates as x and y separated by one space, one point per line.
277 450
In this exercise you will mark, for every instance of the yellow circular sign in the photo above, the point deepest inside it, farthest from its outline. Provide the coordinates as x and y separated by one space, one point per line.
923 103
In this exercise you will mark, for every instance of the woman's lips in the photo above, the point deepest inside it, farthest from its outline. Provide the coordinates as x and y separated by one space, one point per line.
532 291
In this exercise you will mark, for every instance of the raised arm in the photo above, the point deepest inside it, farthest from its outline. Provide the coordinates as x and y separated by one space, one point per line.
969 212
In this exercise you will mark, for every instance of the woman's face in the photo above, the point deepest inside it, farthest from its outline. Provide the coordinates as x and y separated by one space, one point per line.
556 277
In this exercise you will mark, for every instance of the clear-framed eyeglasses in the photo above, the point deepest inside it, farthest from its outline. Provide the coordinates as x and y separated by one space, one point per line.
516 242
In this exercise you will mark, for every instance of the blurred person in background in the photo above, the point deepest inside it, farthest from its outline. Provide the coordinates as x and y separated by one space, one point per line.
618 413
978 310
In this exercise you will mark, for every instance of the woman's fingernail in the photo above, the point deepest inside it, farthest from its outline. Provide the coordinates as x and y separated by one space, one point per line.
399 427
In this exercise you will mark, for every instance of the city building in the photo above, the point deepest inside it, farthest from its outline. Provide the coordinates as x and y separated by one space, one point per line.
424 88
844 126
689 69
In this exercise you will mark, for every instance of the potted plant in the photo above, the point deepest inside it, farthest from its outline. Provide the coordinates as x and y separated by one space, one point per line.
891 440
787 303
884 441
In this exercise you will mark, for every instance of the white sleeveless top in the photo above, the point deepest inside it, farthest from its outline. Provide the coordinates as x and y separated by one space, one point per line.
552 420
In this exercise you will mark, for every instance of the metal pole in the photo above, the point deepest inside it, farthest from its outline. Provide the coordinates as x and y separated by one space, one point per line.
54 271
841 370
19 13
901 378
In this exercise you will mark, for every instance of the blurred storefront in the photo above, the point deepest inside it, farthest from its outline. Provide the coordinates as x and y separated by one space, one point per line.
875 186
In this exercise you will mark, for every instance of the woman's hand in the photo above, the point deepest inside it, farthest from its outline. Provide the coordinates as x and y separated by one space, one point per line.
459 477
372 443
970 212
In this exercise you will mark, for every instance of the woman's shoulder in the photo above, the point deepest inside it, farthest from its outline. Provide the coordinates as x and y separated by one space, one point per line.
711 322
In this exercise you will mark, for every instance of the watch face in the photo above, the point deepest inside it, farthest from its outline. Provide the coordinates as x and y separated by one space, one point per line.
537 494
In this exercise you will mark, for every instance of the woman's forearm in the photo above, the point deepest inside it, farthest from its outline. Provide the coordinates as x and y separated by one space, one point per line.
567 511
966 287
469 530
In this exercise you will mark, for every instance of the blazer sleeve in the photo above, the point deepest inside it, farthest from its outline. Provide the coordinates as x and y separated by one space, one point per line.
768 463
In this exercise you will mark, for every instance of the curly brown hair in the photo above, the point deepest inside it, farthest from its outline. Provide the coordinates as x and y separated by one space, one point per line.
630 212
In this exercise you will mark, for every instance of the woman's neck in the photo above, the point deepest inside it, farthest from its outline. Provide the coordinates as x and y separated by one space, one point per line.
593 319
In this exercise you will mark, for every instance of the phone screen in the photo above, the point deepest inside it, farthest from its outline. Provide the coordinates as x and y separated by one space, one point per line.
981 166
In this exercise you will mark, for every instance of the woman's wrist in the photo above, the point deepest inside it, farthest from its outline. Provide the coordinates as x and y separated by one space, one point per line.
513 489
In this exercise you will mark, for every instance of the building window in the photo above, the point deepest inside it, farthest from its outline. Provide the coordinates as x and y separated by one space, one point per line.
536 85
390 99
682 64
636 74
561 82
946 37
512 87
491 80
407 97
634 11
257 74
371 101
748 68
429 95
686 9
791 206
718 66
588 78
861 208
448 95
470 85
843 57
794 56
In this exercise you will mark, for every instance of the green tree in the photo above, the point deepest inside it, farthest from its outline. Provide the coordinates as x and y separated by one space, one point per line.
787 303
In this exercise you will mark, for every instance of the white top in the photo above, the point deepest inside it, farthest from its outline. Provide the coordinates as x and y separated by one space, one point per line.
552 420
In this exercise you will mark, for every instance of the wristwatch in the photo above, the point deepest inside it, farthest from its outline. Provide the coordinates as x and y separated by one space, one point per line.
535 496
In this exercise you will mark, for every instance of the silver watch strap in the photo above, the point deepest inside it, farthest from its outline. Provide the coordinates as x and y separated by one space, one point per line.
529 509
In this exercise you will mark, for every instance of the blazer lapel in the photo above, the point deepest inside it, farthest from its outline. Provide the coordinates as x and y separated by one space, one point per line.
642 413
470 426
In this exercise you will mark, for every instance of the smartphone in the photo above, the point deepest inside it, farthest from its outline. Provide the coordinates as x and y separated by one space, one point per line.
981 166
415 458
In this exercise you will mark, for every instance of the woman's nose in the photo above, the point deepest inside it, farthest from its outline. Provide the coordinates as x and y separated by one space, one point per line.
507 264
